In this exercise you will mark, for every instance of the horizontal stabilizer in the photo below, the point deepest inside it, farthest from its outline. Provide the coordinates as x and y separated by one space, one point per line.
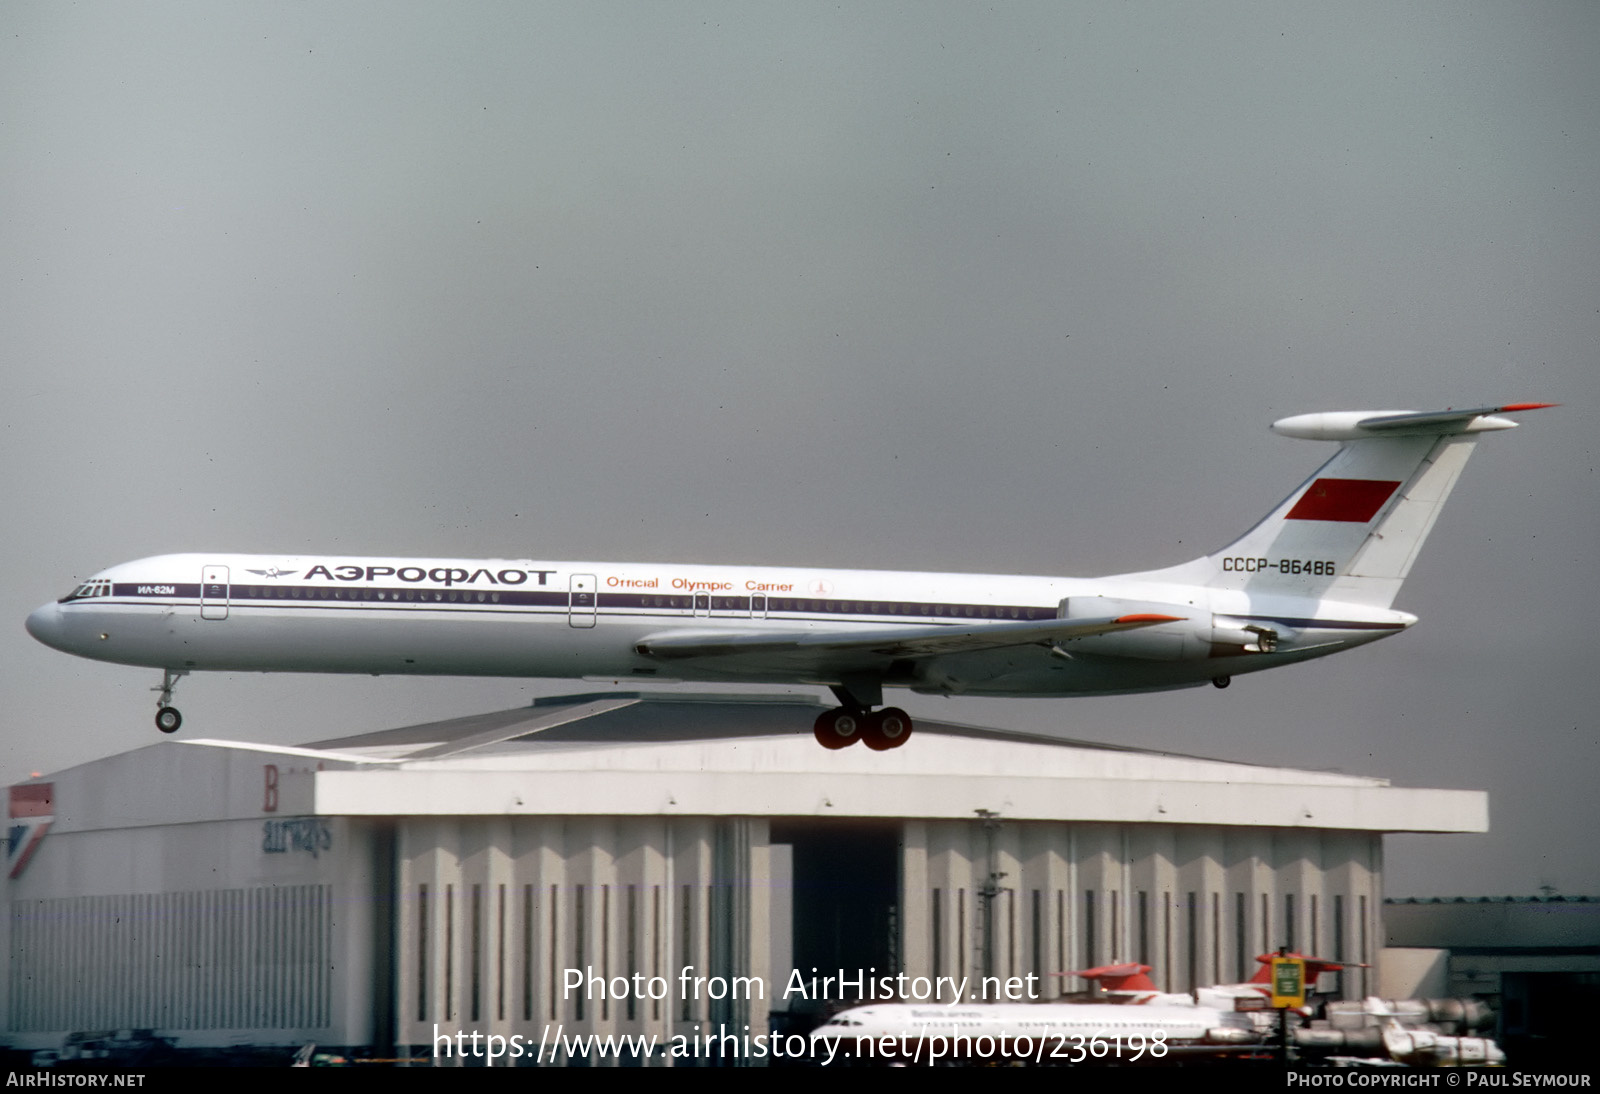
1353 425
1385 422
893 641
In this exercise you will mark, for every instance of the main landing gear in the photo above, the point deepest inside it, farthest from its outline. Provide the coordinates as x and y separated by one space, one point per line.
880 730
167 717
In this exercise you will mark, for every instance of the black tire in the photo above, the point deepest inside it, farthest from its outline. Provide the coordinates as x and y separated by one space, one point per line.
168 719
888 728
1221 681
836 729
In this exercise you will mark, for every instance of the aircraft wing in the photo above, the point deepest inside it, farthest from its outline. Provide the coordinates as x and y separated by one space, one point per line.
891 641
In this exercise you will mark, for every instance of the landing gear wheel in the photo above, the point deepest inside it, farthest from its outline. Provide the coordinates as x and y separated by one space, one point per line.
837 728
167 717
1221 681
888 728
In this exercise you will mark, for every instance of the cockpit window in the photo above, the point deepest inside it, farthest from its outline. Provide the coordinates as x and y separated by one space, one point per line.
96 587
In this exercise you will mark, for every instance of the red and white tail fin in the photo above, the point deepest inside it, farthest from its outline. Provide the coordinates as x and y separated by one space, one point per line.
1351 531
1131 978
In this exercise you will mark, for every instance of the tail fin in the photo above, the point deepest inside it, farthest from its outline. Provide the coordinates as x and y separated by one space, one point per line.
1352 530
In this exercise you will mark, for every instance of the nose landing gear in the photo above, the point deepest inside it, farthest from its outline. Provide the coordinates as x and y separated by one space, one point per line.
167 717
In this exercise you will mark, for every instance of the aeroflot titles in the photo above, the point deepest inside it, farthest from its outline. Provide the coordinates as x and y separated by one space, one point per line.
443 575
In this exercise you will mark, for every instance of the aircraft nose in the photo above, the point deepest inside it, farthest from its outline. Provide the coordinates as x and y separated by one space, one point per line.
44 623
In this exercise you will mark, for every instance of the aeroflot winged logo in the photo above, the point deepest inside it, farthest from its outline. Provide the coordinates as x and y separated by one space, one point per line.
273 571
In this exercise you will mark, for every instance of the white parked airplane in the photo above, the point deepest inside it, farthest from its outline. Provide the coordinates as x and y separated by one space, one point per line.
1139 1023
1128 1033
1316 576
1044 1033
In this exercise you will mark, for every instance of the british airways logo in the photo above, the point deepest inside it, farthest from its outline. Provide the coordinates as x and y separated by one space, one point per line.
439 575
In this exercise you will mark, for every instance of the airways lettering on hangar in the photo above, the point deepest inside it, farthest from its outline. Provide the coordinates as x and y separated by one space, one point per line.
309 834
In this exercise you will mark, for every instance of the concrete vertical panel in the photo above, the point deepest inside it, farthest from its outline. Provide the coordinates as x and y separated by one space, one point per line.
659 875
472 855
493 869
407 933
420 965
1217 874
1150 871
454 921
536 865
358 908
628 849
1068 905
656 879
1200 854
1293 850
1371 892
950 869
1267 908
1100 873
757 915
554 943
1000 872
692 869
916 901
943 875
1031 923
728 923
1313 893
589 867
1245 870
1346 876
1049 866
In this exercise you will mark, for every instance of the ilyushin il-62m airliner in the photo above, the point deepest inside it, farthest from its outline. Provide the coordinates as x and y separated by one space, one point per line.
1317 575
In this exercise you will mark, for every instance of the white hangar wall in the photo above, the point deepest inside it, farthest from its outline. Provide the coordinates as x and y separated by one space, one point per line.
199 930
1196 903
495 911
183 888
377 890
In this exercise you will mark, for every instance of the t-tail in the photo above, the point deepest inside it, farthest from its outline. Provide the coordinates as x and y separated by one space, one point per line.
1352 530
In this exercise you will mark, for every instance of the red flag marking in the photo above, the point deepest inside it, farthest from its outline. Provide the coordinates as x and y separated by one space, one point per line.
1353 500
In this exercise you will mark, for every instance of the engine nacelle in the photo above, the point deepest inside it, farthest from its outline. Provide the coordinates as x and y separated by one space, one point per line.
1196 635
1249 637
1424 1048
1231 1035
1361 1041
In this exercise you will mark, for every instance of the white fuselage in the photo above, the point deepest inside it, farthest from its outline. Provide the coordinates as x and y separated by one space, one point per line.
533 618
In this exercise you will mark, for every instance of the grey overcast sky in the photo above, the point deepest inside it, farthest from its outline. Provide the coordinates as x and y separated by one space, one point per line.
1011 288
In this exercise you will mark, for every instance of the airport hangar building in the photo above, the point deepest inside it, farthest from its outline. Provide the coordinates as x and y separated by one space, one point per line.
376 891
